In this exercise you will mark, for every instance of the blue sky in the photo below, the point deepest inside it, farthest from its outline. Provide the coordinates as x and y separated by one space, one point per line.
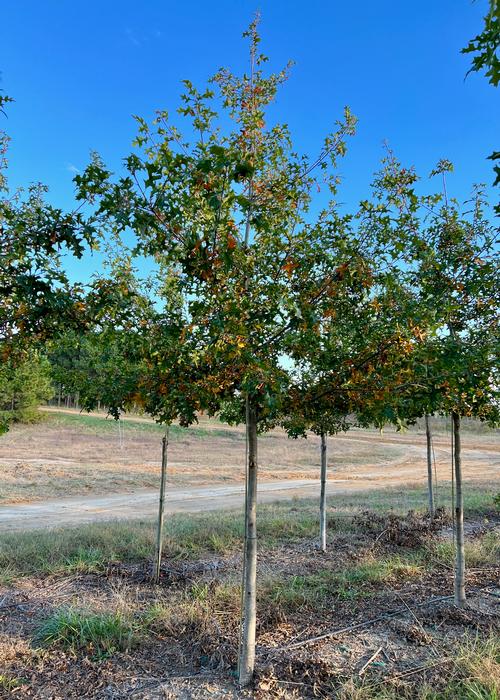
79 70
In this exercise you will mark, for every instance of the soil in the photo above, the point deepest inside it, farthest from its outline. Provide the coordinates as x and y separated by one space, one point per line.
408 629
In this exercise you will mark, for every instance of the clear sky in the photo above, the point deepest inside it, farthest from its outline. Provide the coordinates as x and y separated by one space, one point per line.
79 70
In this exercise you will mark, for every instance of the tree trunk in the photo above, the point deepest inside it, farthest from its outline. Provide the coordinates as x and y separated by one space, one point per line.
322 498
460 599
161 508
249 611
59 397
430 487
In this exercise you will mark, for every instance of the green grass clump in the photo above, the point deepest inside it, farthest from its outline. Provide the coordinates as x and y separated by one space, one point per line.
478 552
9 683
315 590
356 581
75 630
104 426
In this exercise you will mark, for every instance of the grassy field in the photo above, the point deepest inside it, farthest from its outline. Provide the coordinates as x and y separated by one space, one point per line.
79 617
91 547
134 424
72 454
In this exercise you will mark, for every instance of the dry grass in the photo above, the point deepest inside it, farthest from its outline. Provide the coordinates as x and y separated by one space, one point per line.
73 454
83 619
480 551
89 548
472 672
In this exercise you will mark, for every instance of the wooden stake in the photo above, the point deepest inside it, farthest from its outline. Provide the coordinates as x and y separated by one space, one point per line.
161 507
430 486
249 609
460 598
322 498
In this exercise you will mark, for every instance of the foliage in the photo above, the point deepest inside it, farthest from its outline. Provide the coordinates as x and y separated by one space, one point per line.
227 215
485 45
450 306
24 385
98 366
36 298
270 292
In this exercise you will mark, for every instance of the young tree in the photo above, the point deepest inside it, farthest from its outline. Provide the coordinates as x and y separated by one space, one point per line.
344 368
463 273
108 364
453 271
227 213
36 298
322 419
24 384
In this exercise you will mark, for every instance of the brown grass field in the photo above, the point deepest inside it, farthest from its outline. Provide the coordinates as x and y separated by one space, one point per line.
69 454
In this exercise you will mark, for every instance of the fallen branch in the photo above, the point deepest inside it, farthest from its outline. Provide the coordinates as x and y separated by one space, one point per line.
372 658
367 623
420 625
358 625
424 667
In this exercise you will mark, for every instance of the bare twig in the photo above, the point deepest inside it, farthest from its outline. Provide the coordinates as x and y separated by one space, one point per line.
379 536
359 625
424 667
410 611
372 658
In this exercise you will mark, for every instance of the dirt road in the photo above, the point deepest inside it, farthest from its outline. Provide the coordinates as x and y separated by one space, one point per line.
77 469
142 504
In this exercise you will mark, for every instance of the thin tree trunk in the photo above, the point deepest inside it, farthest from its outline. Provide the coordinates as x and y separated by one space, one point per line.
161 509
430 486
459 516
322 498
59 397
249 610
